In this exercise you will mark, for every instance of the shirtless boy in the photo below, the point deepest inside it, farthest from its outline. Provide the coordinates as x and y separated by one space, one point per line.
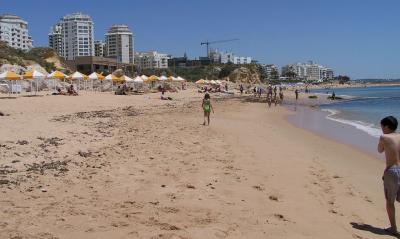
389 143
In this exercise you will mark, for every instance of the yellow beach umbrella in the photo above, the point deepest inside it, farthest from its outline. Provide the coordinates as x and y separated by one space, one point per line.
170 78
57 75
200 82
30 75
153 78
9 75
112 77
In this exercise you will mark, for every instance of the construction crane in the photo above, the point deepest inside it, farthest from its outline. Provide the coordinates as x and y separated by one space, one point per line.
207 43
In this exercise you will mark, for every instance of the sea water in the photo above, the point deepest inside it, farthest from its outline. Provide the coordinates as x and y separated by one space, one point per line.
367 107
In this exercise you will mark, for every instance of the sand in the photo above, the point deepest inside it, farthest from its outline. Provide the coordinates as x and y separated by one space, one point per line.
106 166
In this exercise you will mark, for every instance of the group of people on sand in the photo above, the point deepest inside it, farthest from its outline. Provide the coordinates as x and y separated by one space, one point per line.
70 91
214 89
272 95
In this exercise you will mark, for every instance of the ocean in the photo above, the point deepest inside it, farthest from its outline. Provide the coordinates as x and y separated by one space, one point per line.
366 109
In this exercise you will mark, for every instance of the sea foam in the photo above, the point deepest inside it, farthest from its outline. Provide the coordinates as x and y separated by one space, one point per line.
368 128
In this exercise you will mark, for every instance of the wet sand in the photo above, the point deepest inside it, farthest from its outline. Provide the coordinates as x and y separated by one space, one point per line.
105 166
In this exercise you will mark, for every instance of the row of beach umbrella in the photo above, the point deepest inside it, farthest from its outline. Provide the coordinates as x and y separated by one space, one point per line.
36 75
10 75
206 82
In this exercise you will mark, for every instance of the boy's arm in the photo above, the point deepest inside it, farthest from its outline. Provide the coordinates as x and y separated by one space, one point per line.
211 107
381 146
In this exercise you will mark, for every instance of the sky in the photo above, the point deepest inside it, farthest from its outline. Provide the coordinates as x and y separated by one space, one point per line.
359 38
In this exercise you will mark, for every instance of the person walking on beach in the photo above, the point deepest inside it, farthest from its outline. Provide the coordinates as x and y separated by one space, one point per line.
280 97
207 108
389 143
259 91
269 91
241 89
296 92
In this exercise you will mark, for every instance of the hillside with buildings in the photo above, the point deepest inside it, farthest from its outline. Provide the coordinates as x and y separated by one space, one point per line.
73 47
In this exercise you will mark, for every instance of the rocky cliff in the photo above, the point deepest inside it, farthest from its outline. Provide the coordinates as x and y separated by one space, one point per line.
245 75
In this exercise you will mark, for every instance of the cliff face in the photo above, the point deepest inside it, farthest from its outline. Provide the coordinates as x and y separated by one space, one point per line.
245 75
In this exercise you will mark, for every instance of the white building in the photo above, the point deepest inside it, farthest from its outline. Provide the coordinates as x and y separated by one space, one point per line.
240 60
309 71
14 31
77 36
151 60
99 48
55 39
119 43
269 69
228 57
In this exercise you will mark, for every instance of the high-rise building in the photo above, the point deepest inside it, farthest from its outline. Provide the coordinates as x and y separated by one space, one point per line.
77 33
55 39
99 48
151 60
119 43
14 31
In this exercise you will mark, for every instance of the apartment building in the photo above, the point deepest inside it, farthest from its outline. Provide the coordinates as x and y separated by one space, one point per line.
14 31
151 60
119 44
76 33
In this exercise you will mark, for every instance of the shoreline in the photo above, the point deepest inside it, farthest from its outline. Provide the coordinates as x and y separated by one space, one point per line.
316 121
309 115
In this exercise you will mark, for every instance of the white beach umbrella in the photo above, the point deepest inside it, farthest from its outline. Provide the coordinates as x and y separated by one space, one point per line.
138 80
96 76
162 78
213 82
77 76
144 77
218 82
126 79
207 82
34 75
180 79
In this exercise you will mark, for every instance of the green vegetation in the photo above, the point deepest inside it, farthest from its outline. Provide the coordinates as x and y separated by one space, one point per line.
194 73
19 57
342 79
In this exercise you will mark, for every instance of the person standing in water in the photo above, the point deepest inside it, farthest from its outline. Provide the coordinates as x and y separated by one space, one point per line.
207 108
389 143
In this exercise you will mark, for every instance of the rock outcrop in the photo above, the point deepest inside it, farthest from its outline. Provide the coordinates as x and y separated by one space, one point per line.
245 75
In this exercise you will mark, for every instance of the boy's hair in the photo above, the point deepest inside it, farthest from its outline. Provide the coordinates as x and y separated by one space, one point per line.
207 96
390 122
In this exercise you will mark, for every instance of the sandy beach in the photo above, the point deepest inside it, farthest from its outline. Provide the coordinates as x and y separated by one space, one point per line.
106 166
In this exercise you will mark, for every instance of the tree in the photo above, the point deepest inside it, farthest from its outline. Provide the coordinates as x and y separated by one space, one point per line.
226 70
274 75
342 79
290 74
